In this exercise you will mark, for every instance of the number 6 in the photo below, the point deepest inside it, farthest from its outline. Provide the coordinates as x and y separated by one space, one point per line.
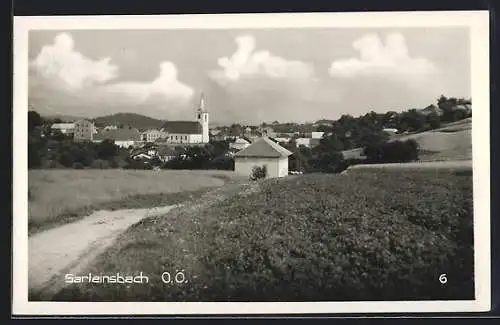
442 278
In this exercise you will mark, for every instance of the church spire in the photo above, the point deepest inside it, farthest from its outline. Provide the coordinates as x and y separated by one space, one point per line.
202 102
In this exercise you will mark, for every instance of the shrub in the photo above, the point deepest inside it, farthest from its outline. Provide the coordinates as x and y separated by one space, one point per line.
52 164
78 165
392 152
100 164
116 163
222 163
258 172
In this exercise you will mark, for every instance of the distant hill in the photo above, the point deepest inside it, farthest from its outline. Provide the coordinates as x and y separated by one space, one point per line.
133 120
63 118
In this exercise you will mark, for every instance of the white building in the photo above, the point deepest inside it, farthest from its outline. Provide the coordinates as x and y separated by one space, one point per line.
317 135
123 138
84 131
263 152
239 144
282 140
189 132
153 135
65 128
303 142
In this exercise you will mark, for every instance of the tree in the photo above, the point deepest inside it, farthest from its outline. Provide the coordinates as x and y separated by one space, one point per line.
34 120
327 162
57 135
236 129
434 120
106 149
392 152
36 147
323 128
414 120
330 143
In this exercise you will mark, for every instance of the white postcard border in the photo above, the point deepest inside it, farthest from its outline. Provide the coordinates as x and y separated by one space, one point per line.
478 23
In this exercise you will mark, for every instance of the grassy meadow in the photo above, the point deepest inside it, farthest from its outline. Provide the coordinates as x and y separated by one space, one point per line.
366 235
59 196
453 141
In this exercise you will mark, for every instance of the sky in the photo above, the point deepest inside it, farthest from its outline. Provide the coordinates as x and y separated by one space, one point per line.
247 76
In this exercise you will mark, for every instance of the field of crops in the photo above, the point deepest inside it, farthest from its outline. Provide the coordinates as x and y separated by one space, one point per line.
59 196
384 235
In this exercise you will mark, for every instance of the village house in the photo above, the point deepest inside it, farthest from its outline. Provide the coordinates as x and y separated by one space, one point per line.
317 135
357 153
263 152
266 131
215 132
65 128
323 123
110 127
166 153
84 130
282 139
188 132
143 153
123 138
162 152
239 144
303 142
152 135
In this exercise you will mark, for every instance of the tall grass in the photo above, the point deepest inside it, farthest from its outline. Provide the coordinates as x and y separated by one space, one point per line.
56 196
370 235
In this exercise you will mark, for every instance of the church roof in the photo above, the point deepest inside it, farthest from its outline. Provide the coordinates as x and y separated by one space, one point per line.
119 135
182 127
264 148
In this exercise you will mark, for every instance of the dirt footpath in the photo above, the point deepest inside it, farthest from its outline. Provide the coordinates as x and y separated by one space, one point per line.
69 248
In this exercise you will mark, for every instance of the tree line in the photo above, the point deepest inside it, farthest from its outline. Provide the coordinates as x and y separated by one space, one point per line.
51 149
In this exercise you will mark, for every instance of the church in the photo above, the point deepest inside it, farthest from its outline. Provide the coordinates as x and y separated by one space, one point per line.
188 132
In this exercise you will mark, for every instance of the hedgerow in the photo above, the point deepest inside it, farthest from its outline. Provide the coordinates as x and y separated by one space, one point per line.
384 235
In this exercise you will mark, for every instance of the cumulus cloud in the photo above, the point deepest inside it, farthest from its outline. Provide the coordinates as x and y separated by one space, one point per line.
246 62
165 85
70 69
377 58
62 77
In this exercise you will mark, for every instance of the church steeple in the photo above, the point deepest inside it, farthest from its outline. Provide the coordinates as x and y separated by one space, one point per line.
203 119
202 103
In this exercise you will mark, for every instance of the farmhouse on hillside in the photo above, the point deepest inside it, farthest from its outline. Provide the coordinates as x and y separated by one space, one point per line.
263 152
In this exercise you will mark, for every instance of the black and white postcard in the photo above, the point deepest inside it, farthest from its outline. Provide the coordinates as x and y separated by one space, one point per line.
251 163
